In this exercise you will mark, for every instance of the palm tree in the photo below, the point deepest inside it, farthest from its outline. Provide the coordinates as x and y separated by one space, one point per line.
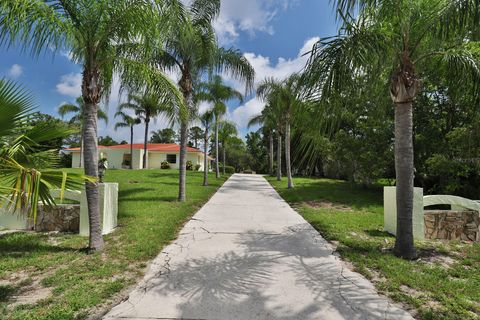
127 122
206 120
267 120
397 38
148 106
196 133
78 110
226 131
167 135
26 168
217 93
284 97
98 34
191 49
272 117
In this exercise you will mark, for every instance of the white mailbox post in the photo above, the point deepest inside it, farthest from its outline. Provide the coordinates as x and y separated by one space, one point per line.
390 211
108 203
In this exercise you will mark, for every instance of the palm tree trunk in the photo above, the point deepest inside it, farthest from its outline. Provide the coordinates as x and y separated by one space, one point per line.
279 157
145 141
224 157
404 166
90 155
205 160
287 156
217 168
131 147
271 154
81 150
91 96
183 161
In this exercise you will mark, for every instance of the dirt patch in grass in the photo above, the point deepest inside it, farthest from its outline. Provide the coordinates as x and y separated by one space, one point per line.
30 294
410 291
321 204
375 276
433 257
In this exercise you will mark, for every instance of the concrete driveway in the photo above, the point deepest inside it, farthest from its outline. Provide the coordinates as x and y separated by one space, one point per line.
248 255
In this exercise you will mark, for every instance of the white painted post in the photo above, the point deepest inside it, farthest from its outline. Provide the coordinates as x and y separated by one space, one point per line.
108 209
390 212
13 220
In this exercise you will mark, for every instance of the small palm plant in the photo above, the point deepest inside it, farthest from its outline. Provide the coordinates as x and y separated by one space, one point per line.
27 171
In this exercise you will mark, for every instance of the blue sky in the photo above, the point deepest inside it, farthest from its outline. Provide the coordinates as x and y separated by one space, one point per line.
272 34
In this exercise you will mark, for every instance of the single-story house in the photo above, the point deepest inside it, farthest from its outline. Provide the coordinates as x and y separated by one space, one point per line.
119 156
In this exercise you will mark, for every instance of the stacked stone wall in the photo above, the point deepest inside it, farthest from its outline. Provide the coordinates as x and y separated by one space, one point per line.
63 218
452 225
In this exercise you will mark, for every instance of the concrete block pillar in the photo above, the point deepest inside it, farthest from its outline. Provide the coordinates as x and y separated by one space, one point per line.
390 212
108 209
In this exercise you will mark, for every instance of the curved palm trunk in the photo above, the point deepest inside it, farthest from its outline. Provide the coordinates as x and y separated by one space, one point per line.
271 154
145 142
183 161
287 156
81 150
224 157
205 160
217 168
187 90
131 147
403 89
279 157
90 92
404 167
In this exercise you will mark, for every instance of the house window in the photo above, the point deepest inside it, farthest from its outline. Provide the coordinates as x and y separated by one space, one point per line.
127 159
171 158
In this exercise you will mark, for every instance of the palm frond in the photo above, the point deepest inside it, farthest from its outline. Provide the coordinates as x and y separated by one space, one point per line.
232 62
24 181
36 25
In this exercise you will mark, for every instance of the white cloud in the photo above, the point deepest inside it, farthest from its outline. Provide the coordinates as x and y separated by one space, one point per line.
70 85
15 71
242 115
280 69
283 67
248 16
265 68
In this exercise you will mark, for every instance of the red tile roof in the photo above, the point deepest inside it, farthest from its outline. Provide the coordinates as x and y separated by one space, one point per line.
161 147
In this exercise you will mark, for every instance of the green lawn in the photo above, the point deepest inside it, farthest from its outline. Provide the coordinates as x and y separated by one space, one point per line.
75 283
443 284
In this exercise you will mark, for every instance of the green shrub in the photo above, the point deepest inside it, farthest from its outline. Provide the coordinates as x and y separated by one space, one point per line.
189 165
165 165
451 176
228 169
197 167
